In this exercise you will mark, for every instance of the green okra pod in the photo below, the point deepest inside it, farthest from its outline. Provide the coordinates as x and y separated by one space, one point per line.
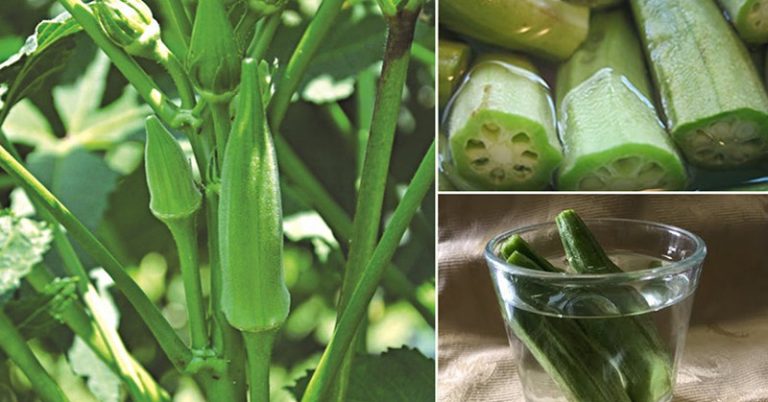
548 28
611 134
501 126
254 295
175 200
713 99
579 365
644 360
749 17
214 57
453 61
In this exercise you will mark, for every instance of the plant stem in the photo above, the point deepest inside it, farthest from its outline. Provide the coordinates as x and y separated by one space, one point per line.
423 55
180 21
227 342
7 182
346 328
104 342
373 181
185 235
291 76
131 70
339 118
221 127
258 346
366 95
13 344
171 63
264 36
174 348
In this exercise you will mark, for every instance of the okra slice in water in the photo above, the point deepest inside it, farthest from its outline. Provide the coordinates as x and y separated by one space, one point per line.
612 137
580 367
501 127
749 17
453 61
715 104
633 341
547 28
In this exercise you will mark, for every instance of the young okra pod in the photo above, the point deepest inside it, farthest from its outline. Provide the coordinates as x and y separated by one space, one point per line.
548 28
501 127
254 295
749 17
612 137
453 60
214 57
715 103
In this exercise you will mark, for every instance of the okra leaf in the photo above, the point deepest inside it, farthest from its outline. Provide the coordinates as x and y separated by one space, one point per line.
23 242
9 45
43 55
38 314
80 179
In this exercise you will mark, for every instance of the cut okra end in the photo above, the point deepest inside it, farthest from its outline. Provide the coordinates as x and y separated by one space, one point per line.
753 26
499 154
724 143
635 169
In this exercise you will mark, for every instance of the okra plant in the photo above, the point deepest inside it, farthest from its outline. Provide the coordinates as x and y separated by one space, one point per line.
219 200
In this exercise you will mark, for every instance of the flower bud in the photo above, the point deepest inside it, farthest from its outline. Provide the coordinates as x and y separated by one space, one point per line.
129 24
214 57
172 190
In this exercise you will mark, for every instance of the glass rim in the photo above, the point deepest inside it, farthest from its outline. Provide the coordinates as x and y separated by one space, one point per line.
675 267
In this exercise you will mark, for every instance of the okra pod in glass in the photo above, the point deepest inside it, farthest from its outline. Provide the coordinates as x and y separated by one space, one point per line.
501 127
713 99
749 18
453 61
612 137
597 4
548 28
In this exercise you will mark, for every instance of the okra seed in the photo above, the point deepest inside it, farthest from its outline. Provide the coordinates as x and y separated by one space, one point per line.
480 162
533 156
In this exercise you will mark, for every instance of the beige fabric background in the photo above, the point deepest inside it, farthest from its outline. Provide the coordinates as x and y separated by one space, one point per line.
726 353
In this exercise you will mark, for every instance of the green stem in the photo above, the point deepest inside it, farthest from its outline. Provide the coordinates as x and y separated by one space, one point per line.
180 21
366 95
258 347
264 36
7 182
291 76
227 342
373 182
339 118
139 79
171 63
185 235
13 344
177 352
346 328
104 342
221 127
423 56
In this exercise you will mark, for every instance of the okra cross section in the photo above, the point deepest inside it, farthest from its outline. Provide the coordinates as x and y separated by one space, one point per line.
714 101
501 129
749 17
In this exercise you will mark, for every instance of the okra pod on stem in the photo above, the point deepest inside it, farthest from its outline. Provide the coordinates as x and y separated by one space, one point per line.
255 298
612 137
501 127
715 104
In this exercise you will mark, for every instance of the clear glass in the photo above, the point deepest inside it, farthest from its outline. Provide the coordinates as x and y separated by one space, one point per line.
600 337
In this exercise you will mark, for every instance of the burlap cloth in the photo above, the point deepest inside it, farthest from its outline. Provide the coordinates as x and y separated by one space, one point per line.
726 352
